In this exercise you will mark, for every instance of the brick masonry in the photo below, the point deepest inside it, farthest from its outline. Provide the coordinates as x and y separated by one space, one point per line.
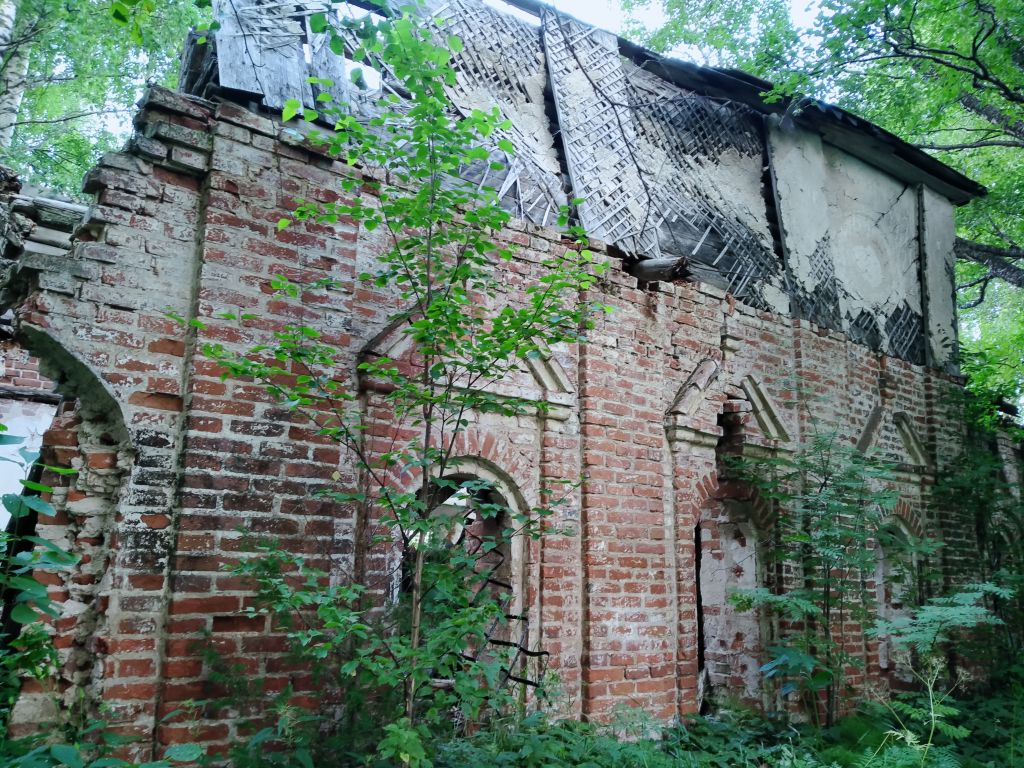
174 461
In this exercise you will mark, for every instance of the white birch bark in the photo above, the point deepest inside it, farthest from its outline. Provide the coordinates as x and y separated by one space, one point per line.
14 59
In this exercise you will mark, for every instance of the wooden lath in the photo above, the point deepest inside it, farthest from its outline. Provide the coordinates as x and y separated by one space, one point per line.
637 148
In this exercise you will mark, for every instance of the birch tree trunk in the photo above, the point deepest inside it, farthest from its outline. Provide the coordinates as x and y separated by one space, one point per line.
13 71
8 15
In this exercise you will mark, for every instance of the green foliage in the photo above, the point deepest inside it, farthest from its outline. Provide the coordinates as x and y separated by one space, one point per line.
93 747
926 729
88 61
756 37
994 716
992 337
27 653
537 743
735 739
974 492
739 738
833 503
920 725
30 655
935 625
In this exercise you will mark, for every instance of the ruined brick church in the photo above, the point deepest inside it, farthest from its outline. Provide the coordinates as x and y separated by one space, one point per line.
772 267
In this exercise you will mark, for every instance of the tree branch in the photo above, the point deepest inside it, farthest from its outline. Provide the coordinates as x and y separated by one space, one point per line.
974 145
994 115
977 300
998 260
74 116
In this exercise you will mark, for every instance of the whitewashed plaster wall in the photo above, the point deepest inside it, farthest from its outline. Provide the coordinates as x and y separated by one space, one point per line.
865 253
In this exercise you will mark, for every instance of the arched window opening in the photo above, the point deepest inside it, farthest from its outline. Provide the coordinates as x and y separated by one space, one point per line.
475 562
897 592
474 532
730 561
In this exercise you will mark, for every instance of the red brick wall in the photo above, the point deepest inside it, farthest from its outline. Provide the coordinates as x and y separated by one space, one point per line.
186 220
20 369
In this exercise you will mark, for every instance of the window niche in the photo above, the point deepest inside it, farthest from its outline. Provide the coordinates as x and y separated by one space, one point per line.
896 592
729 560
479 538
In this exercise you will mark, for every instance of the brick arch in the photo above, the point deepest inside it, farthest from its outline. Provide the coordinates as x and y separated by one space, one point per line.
90 436
481 451
903 512
485 448
476 466
763 512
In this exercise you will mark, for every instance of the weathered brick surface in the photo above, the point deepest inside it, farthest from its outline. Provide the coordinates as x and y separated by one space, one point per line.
20 370
673 378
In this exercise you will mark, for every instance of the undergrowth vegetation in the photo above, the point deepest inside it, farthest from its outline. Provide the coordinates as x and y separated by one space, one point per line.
923 729
926 729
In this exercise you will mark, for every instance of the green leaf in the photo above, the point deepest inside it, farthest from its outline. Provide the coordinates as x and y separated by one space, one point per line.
26 584
184 753
454 44
32 485
291 109
318 22
39 505
119 13
11 440
15 505
59 471
68 755
23 614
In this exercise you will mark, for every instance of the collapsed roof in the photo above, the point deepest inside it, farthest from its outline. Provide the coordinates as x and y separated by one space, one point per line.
631 133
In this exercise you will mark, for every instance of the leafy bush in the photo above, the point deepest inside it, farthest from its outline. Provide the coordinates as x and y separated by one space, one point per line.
833 502
534 742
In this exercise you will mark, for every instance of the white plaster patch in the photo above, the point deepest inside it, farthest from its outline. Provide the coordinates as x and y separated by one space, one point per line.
873 235
733 183
938 233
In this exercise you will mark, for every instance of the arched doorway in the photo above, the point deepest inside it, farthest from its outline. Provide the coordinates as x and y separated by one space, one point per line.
728 563
477 545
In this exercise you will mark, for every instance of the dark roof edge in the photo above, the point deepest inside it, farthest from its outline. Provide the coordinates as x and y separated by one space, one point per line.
857 136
